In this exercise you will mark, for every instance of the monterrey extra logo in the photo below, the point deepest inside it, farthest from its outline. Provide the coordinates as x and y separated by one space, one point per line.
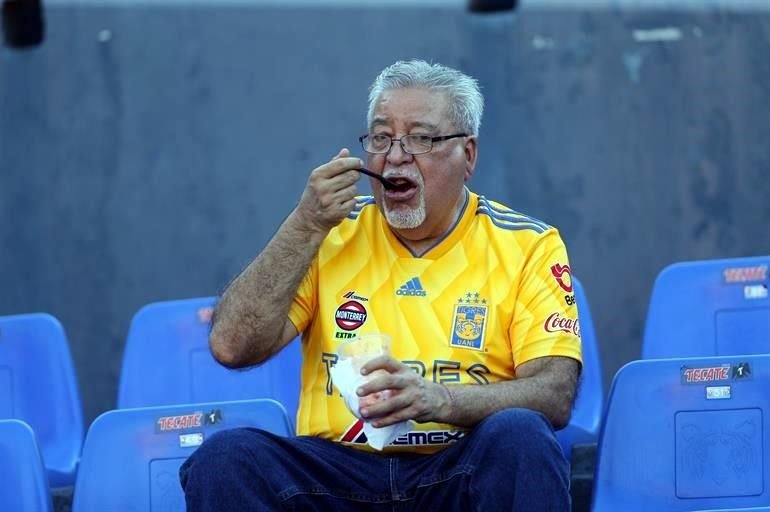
350 316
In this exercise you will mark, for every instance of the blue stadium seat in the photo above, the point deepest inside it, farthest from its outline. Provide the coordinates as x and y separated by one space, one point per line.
171 338
131 457
752 509
587 412
38 386
23 479
709 308
167 361
686 434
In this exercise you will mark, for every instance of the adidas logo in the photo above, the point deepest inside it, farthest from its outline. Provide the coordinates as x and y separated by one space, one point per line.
412 287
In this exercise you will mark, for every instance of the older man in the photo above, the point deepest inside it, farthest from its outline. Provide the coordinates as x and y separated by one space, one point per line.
475 296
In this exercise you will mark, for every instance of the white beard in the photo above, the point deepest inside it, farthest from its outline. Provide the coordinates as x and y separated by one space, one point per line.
406 217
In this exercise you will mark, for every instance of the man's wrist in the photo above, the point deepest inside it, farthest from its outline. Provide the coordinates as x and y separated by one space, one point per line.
300 223
446 404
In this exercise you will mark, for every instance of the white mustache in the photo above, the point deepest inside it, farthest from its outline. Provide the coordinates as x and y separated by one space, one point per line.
416 177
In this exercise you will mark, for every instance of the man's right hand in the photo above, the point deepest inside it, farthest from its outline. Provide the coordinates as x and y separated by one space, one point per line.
251 322
330 193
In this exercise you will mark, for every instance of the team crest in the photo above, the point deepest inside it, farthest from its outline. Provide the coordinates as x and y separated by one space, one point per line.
470 319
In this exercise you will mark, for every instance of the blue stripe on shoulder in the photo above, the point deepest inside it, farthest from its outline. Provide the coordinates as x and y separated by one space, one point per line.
361 203
359 206
507 214
515 219
510 225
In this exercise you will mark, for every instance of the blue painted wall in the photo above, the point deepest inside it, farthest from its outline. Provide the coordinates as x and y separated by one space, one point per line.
149 150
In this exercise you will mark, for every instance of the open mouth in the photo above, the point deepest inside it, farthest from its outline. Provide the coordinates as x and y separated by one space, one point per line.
400 185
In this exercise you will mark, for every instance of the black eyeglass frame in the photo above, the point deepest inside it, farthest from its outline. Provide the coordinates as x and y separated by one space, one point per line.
433 140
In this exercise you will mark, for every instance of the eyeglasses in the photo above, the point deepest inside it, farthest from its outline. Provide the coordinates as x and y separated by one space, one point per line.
414 144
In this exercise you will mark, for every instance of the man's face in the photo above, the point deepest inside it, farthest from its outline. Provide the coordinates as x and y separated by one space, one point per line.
430 183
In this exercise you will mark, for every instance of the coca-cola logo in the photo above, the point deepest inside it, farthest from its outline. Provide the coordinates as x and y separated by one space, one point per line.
557 323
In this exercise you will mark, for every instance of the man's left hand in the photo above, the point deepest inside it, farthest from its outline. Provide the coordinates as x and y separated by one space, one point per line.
410 396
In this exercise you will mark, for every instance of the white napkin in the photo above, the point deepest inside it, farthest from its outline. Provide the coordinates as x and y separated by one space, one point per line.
346 375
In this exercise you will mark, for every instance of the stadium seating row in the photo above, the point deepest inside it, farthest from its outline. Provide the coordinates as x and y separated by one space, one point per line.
684 428
677 435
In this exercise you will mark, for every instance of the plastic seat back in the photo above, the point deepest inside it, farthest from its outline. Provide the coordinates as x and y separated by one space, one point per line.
38 386
709 308
23 479
131 457
167 361
686 434
752 509
587 411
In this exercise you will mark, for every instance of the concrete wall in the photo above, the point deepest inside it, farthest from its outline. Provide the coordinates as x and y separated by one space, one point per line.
149 150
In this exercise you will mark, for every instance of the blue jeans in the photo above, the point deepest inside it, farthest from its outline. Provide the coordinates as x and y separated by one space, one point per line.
510 461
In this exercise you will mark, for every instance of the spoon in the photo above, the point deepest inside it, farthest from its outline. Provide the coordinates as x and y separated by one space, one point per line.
385 181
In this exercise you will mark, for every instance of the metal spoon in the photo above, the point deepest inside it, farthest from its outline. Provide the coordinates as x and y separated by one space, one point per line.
389 184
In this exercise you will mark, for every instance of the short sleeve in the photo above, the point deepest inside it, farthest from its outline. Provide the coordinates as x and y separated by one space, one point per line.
305 300
545 321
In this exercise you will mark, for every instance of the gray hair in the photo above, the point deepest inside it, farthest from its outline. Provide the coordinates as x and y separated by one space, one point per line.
466 104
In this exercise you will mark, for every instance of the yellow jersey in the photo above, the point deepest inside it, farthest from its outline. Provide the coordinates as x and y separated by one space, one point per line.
493 293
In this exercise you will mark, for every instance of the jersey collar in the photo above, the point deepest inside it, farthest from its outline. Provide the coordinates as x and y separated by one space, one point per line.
443 244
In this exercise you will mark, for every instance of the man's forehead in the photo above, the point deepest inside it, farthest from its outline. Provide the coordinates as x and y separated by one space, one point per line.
416 108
